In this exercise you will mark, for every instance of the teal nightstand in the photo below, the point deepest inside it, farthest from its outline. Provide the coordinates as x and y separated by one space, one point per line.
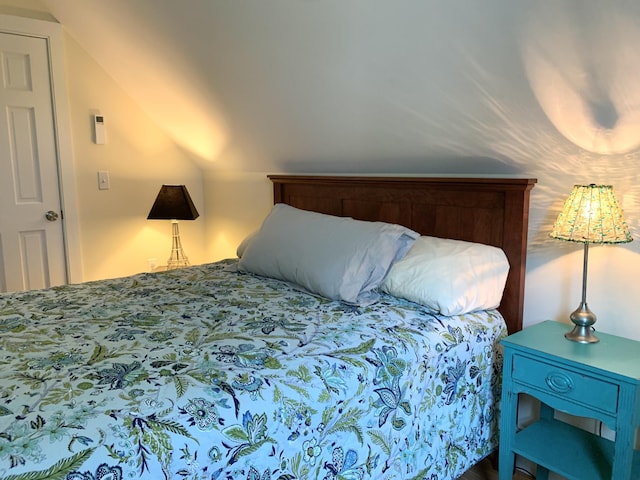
600 381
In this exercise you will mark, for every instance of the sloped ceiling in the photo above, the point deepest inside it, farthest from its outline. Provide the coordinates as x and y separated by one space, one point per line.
403 86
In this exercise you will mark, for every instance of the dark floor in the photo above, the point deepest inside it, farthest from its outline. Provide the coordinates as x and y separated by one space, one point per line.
485 471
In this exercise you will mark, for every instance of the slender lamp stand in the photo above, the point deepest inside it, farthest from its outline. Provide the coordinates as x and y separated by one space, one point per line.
174 203
582 317
177 258
591 214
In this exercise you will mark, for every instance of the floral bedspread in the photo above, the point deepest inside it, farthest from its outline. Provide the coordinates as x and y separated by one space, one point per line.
205 373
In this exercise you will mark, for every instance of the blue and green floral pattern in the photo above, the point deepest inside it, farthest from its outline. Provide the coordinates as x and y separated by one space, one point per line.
206 373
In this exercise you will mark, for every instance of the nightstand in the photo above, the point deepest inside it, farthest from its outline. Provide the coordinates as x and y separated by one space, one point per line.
600 381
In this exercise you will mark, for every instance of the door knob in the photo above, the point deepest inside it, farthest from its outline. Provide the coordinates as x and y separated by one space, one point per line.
51 216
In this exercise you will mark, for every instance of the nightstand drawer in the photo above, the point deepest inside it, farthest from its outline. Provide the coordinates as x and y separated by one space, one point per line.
564 383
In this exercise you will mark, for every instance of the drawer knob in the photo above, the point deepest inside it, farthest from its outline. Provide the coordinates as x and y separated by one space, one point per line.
559 382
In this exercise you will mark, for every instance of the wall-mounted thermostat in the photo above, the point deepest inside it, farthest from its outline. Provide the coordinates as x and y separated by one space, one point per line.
98 129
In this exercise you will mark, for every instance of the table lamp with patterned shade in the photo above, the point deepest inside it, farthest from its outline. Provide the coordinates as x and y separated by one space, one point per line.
174 203
591 214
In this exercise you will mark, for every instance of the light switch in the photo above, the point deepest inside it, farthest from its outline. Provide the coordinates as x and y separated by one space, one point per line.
103 180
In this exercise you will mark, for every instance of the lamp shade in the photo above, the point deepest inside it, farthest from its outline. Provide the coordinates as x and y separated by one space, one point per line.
591 214
173 203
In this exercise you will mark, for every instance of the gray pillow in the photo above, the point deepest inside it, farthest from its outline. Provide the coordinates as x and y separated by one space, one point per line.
338 258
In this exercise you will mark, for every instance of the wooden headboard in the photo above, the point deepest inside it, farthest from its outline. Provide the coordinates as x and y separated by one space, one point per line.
493 211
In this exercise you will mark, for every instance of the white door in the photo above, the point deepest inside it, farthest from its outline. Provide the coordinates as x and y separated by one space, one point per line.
32 249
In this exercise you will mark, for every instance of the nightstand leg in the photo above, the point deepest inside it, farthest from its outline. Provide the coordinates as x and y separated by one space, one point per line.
625 437
508 428
546 413
506 464
542 473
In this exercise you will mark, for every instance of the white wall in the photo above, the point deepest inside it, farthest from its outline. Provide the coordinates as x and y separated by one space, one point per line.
115 237
543 89
236 204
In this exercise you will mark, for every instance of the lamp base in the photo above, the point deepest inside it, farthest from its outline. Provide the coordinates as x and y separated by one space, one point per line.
582 334
173 264
177 259
583 319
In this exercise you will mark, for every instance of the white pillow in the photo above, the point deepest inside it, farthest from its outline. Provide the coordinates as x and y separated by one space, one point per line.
338 258
449 276
245 243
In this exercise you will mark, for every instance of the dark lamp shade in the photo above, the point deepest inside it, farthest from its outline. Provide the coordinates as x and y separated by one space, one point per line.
173 203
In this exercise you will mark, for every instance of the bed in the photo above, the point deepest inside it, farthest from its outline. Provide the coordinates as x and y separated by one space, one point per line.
215 372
